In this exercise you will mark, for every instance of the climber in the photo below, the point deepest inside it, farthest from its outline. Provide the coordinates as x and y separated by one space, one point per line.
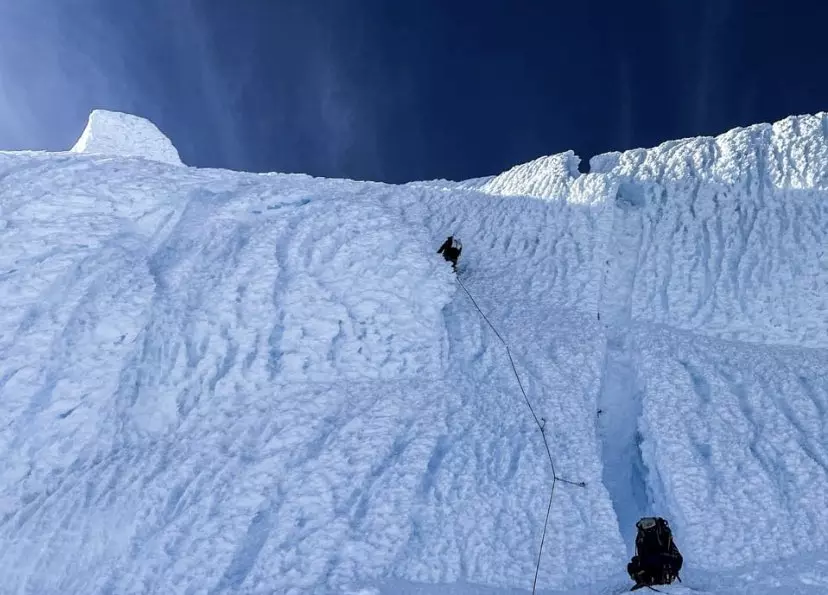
657 560
451 249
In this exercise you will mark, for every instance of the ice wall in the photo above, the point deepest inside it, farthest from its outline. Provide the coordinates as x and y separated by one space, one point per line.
728 311
213 381
734 232
736 442
714 294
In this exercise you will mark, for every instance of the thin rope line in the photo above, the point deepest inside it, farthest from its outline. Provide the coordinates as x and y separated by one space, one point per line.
543 536
541 427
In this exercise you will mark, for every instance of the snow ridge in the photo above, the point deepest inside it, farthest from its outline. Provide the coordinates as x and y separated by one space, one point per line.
546 177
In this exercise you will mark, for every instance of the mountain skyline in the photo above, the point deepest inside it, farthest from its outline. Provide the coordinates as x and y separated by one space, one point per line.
405 91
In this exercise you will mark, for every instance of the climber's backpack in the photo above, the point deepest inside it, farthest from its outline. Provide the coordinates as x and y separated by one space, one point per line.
654 536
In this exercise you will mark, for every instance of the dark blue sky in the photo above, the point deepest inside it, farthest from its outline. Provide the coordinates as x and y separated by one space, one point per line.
397 91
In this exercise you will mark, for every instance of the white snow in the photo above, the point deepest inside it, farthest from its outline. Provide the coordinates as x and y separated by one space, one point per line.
125 135
734 232
216 382
548 177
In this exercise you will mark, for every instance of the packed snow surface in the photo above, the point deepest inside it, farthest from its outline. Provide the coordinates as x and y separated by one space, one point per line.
216 382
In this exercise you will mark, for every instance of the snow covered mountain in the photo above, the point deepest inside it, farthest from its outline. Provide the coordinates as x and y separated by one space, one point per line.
219 382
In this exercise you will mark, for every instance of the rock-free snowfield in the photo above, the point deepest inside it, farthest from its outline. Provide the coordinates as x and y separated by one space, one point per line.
220 382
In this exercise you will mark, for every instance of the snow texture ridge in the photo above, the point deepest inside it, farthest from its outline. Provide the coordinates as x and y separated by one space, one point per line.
217 381
734 232
723 238
736 437
220 382
546 177
125 135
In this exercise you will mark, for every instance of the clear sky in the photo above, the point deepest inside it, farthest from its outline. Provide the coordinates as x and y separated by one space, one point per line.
398 91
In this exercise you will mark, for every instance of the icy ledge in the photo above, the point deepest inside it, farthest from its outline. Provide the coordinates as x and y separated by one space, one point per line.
125 135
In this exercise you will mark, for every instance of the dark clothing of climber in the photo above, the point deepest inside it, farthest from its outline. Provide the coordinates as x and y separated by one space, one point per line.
657 560
450 250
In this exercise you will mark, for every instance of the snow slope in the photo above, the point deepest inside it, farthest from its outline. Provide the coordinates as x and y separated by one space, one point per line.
715 298
216 382
219 381
728 310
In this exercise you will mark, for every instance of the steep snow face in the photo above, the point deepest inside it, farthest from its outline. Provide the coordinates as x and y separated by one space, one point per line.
715 299
217 382
733 229
735 436
729 243
734 232
125 135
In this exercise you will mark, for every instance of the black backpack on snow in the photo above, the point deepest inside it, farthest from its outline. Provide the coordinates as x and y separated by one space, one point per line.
657 559
654 535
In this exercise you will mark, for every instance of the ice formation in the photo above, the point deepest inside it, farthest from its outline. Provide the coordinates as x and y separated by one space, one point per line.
222 382
125 135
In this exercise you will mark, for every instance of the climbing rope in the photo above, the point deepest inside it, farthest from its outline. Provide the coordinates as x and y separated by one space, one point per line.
541 423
